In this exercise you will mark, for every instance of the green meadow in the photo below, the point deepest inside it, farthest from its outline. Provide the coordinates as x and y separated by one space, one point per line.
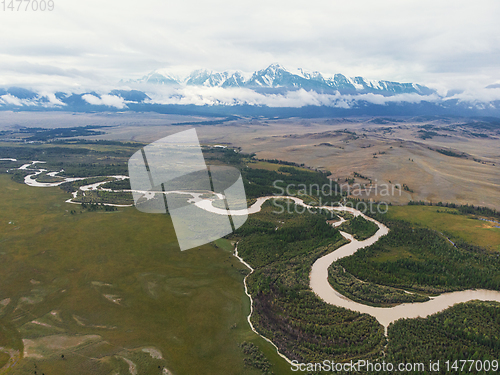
451 223
110 292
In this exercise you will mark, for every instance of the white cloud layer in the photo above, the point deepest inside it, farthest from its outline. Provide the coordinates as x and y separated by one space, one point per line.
298 98
107 100
84 44
209 96
11 100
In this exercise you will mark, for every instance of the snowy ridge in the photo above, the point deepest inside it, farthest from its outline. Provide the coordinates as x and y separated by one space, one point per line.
268 90
277 76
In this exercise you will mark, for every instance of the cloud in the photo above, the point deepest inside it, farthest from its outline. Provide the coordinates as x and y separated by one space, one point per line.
107 100
52 100
212 96
47 100
92 43
200 95
485 95
27 68
11 100
399 98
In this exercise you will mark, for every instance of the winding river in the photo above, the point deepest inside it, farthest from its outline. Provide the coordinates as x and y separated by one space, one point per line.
385 315
319 272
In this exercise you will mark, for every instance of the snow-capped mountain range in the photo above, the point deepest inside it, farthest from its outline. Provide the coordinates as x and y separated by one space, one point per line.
276 76
273 91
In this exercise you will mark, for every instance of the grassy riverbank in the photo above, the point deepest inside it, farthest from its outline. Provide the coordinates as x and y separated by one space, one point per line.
366 292
282 248
414 258
466 331
451 223
359 227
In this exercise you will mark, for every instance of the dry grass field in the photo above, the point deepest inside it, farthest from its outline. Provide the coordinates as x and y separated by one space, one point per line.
388 151
394 153
401 150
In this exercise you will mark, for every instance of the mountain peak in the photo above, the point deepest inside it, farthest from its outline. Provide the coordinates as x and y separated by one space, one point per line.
275 67
276 76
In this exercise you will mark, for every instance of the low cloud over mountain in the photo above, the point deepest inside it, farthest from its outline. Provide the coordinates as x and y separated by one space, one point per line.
250 93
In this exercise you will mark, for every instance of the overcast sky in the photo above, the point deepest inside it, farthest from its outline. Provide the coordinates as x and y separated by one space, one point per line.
90 43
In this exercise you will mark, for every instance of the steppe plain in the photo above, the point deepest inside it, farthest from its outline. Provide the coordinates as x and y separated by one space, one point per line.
438 158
